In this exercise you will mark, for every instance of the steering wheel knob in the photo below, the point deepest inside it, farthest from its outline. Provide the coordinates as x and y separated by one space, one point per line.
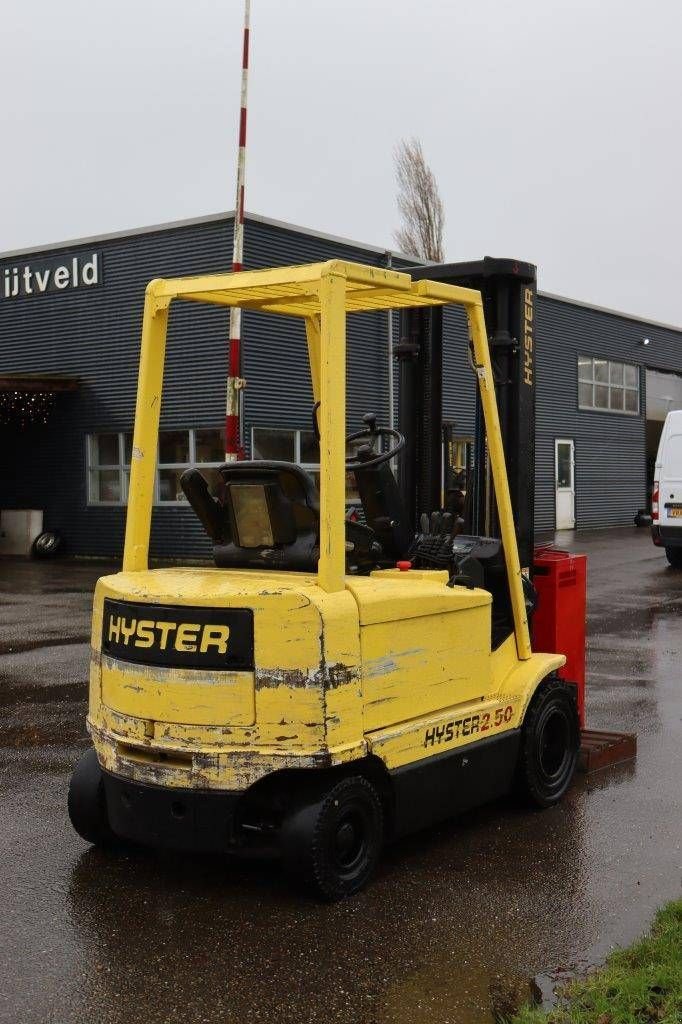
366 455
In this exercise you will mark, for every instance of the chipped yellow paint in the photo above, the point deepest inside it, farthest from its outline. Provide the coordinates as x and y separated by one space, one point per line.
428 663
187 695
392 597
302 701
413 740
415 671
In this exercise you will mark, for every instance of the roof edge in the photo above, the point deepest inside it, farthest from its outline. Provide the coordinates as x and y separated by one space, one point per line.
212 218
209 218
611 312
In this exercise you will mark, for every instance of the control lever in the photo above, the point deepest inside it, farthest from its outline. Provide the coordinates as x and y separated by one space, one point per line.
461 580
370 420
365 452
433 545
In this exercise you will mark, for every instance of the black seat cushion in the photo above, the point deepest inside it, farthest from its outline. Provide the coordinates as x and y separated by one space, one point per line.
266 515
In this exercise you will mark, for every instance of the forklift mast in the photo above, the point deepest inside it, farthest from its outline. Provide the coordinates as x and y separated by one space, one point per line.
508 288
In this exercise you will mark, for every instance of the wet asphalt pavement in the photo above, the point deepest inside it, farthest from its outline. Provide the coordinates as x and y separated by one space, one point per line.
453 913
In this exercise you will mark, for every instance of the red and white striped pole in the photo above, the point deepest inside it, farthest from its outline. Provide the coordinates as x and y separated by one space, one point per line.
235 383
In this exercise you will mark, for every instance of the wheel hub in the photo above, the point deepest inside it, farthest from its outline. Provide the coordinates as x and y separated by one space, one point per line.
349 840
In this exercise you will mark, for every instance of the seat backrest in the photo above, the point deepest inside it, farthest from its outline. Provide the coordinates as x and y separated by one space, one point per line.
266 515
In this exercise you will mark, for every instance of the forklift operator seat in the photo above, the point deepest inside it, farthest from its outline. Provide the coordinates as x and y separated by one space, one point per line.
267 515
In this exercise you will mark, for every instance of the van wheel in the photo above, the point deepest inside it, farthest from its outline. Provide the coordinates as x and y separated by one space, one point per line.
331 843
674 556
550 740
87 802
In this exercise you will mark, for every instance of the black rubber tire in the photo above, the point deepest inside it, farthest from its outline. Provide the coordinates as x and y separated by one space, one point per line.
550 740
87 802
47 544
674 556
331 842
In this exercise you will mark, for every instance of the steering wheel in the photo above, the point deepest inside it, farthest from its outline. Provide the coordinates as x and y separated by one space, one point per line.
367 456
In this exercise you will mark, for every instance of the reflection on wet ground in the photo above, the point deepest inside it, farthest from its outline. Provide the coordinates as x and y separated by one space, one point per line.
455 915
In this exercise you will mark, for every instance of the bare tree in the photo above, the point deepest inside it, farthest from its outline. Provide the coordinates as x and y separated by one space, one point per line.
419 202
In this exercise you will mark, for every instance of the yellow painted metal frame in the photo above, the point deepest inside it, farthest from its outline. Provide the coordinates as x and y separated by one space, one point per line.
323 294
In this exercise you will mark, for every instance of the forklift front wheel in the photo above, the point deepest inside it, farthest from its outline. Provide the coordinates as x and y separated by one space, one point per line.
87 802
550 740
332 842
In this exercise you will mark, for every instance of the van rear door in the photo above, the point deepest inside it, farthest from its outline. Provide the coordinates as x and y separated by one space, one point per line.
670 470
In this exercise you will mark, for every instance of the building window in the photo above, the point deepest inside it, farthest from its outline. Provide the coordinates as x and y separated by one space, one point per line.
298 446
301 446
106 469
109 464
607 386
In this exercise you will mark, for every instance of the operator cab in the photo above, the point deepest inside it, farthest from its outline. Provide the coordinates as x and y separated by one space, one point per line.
267 514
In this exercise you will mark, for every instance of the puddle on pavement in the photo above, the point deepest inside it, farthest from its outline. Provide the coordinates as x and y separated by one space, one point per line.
20 646
30 693
641 616
46 734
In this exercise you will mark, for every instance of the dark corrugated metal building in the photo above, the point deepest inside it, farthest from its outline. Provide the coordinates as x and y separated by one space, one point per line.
75 310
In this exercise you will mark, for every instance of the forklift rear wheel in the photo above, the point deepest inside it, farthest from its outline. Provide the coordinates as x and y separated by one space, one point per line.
549 745
674 556
87 802
332 842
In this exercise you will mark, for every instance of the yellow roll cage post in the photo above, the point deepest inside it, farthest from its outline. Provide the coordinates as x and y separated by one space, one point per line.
322 294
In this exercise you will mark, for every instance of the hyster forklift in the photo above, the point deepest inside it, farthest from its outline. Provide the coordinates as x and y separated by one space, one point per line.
333 681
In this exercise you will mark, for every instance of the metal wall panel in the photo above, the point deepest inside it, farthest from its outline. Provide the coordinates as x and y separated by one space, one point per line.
94 334
610 471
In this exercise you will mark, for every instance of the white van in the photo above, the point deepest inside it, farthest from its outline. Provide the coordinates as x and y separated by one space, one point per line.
666 501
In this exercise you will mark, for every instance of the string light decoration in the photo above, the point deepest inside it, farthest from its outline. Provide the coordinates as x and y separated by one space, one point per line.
25 408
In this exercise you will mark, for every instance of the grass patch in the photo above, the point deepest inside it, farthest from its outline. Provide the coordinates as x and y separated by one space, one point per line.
639 985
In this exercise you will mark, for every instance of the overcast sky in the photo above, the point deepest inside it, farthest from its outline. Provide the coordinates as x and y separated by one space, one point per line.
553 126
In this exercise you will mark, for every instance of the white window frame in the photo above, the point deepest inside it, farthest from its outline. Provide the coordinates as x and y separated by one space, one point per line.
311 467
93 467
609 385
123 467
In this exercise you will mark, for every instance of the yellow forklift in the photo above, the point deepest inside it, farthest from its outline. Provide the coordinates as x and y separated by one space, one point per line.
329 684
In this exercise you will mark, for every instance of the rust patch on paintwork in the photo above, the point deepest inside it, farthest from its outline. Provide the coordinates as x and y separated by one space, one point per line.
273 677
210 771
325 677
340 675
206 762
